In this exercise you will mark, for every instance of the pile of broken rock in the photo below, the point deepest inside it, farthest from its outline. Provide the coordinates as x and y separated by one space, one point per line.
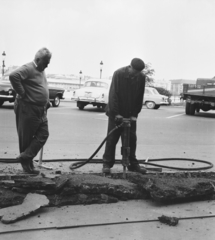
73 189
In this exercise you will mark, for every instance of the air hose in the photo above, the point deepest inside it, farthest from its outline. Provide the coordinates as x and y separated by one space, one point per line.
81 162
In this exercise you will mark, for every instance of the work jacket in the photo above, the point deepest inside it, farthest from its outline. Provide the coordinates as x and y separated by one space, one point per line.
126 94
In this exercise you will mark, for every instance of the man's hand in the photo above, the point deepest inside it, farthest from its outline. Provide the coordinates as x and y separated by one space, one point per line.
133 119
118 119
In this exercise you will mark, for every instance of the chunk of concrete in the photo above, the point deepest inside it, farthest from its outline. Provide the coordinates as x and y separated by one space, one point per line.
31 204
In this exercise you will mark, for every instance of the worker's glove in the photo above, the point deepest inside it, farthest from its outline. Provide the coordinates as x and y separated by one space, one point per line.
118 119
133 119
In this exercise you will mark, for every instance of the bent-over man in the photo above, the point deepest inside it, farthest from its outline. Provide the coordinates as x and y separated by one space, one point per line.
125 101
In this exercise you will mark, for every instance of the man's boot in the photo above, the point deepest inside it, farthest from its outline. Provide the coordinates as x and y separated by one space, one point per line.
137 168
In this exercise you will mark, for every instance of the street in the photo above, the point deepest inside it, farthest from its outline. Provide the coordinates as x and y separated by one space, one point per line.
163 133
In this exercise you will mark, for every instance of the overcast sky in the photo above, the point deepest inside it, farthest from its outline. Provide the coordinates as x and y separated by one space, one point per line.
175 36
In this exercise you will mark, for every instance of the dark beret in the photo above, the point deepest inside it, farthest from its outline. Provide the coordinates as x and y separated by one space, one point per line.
137 64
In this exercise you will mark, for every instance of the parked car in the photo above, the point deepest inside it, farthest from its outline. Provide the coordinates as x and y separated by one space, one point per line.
94 91
152 98
165 92
7 93
55 94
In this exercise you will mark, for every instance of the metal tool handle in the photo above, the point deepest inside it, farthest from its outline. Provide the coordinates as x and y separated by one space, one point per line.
41 161
125 150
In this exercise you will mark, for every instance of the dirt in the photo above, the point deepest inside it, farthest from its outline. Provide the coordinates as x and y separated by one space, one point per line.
72 189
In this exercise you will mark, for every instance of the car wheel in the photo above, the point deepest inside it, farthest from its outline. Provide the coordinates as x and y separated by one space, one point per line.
157 106
1 102
104 107
187 108
56 101
197 109
81 107
150 105
192 109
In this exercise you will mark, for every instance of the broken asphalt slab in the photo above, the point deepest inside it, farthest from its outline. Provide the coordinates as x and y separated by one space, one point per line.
73 189
31 204
119 220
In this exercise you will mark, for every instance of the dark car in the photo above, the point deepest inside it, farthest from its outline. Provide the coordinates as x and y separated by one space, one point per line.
55 94
7 94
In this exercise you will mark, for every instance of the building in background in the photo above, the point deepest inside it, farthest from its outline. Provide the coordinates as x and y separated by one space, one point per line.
177 85
69 82
166 84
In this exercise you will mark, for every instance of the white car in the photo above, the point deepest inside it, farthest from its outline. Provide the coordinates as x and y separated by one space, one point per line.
153 99
94 91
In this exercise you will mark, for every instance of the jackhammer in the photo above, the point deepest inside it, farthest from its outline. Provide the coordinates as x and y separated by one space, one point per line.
125 149
125 123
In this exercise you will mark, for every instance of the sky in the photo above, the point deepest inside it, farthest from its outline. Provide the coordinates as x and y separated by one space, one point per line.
175 36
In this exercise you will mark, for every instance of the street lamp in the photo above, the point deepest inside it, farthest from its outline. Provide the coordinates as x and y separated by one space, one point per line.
80 78
3 62
101 63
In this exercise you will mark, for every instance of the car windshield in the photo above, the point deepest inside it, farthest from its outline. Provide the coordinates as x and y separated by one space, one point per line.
96 84
155 91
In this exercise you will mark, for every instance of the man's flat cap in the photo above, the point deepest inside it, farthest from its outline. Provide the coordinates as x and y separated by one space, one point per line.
137 64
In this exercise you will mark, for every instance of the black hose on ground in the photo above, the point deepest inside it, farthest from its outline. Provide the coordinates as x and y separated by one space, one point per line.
78 164
81 162
148 162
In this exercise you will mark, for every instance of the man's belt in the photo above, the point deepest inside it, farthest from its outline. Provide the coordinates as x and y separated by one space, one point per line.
33 103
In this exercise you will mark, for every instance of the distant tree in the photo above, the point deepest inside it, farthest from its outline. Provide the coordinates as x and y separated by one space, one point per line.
163 91
149 72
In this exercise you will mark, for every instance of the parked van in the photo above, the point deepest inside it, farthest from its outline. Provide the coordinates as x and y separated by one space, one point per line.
153 99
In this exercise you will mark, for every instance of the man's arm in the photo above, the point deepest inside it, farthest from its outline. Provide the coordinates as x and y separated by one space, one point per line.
113 101
16 78
140 95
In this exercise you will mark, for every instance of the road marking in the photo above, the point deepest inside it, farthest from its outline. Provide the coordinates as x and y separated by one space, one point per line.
176 115
104 119
101 113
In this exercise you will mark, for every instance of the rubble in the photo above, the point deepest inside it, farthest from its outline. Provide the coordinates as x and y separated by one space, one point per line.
31 204
73 189
171 221
175 187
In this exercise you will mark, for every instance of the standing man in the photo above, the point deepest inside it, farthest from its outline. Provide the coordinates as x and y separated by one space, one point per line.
125 101
31 104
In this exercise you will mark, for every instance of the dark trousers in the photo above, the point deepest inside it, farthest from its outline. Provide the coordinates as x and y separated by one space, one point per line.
110 148
32 128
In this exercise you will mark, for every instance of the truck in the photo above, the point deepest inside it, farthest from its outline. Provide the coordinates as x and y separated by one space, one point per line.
199 96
